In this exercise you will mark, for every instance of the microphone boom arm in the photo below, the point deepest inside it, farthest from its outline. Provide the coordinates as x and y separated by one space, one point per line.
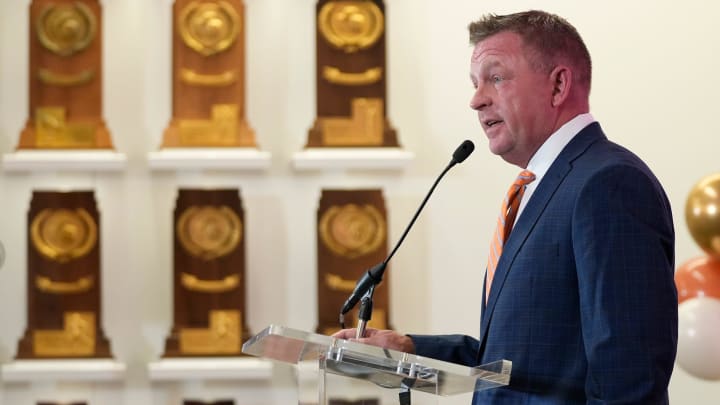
365 287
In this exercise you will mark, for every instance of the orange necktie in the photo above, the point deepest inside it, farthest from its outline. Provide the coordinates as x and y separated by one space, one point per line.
505 222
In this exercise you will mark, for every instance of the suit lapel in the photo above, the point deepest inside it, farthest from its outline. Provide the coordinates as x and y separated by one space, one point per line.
529 217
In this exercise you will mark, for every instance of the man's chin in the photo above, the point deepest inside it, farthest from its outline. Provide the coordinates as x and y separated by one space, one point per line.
506 153
498 149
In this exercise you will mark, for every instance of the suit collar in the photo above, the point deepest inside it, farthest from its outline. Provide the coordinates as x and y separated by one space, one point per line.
529 217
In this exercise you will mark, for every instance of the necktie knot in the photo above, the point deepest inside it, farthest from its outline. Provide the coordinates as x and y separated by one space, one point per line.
514 195
524 178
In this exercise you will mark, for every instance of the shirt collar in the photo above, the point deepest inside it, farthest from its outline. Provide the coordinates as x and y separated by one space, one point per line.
549 151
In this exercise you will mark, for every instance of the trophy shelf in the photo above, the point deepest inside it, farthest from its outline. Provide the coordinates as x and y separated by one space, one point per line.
100 370
210 368
361 158
63 160
209 158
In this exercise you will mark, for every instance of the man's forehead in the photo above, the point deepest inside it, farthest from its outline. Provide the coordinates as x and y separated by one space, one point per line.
505 41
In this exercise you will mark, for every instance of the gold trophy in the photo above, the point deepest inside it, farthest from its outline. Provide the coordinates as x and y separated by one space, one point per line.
209 275
208 107
351 76
65 77
63 289
351 238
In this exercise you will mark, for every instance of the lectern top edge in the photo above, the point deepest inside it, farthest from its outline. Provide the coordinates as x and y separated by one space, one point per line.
384 367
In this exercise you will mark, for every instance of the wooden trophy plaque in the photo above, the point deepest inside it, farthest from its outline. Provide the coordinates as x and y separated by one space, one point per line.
63 287
65 74
208 107
209 275
351 76
351 238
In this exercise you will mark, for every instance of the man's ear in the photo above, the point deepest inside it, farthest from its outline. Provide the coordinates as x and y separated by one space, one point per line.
561 78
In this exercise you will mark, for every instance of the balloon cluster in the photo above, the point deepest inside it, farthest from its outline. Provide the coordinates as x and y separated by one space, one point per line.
698 284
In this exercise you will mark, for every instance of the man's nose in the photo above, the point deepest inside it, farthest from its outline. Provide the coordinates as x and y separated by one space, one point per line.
480 99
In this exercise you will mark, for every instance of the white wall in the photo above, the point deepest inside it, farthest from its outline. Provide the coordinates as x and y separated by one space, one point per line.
655 82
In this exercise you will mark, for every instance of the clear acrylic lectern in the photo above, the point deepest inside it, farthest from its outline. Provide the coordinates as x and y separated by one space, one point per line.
376 368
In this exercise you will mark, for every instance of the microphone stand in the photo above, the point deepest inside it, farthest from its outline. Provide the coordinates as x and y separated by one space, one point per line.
364 315
365 312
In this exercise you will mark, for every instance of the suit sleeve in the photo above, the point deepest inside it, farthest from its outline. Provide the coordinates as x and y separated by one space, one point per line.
460 349
623 242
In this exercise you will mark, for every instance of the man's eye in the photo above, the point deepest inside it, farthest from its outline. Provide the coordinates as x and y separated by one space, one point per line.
496 79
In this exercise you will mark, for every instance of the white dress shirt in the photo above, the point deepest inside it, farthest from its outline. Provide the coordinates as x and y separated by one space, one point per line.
549 151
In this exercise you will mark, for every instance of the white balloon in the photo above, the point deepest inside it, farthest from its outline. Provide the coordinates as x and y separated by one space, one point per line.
699 337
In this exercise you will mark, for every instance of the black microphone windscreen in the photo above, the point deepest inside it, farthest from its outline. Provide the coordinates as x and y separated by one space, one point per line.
463 151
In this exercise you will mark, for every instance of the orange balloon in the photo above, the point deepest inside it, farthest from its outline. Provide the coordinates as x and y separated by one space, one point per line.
698 277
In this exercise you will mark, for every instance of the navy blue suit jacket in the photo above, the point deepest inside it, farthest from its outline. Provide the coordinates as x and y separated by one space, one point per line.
583 301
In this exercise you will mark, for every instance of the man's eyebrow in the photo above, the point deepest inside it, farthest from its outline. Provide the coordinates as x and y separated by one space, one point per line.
485 66
491 64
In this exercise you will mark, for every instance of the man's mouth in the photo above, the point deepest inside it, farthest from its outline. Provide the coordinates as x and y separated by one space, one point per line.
491 123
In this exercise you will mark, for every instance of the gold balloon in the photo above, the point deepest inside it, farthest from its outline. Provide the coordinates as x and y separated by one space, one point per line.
702 213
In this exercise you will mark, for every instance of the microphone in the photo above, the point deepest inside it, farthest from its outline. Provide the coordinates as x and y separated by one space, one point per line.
374 276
